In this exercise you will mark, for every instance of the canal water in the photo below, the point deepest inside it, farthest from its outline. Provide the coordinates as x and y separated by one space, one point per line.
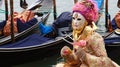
45 62
62 6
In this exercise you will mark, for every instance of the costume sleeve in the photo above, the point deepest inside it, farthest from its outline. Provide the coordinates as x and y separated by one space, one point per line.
96 45
99 55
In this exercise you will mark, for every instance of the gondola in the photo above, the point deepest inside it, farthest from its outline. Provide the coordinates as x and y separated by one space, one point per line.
39 45
35 46
43 11
24 29
112 38
112 44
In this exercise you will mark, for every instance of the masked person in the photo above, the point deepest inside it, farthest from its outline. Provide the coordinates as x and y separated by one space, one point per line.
88 46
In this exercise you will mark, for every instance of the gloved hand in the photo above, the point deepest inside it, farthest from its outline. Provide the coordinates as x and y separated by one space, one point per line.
80 53
69 56
65 51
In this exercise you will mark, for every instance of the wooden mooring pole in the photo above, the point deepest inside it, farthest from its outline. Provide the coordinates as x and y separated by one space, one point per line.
6 9
106 13
54 9
12 24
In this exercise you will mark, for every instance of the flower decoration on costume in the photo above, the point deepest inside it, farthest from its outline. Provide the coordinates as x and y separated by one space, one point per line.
81 43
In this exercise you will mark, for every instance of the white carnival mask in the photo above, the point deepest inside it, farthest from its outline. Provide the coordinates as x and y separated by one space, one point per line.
78 21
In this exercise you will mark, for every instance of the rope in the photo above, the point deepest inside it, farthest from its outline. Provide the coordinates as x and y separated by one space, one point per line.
68 35
66 40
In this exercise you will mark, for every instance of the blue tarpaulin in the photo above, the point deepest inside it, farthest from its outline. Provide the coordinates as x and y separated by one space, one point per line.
32 40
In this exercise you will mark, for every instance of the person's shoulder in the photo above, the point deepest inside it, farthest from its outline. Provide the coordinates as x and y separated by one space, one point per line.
96 39
96 35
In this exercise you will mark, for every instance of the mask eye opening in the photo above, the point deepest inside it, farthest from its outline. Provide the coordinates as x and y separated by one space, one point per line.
79 19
